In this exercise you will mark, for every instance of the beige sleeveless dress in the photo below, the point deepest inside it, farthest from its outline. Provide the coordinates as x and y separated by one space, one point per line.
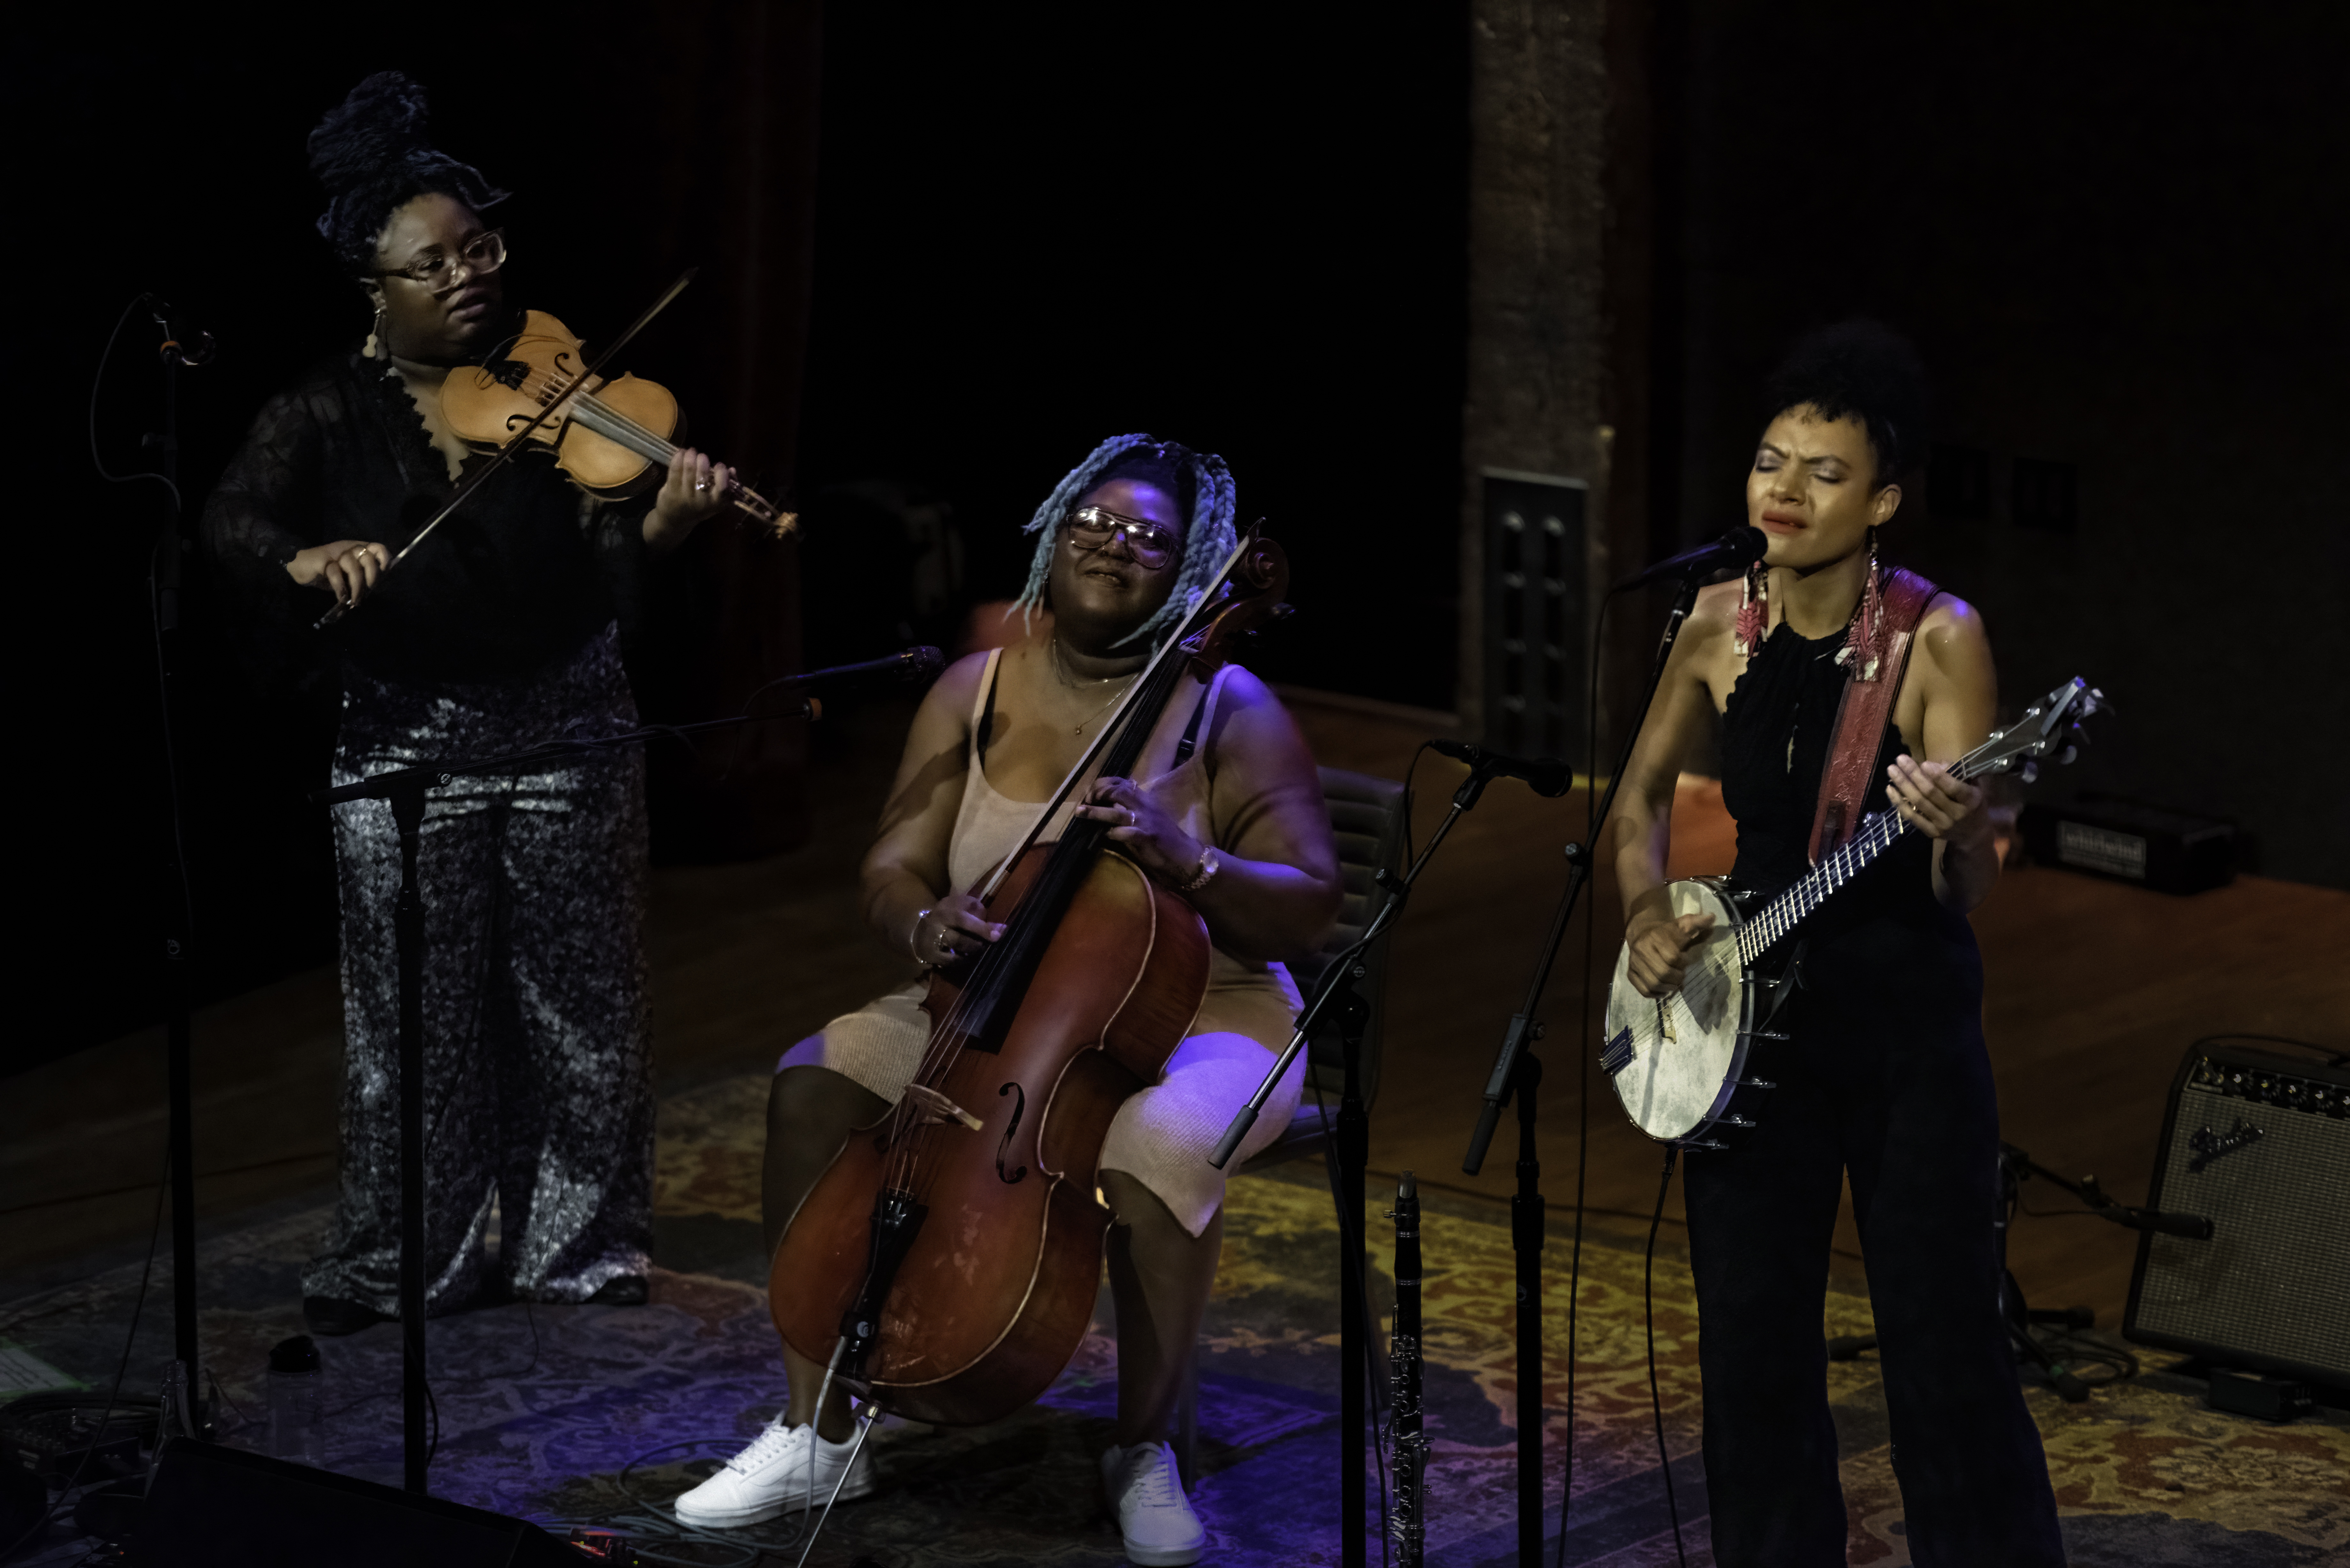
1162 1136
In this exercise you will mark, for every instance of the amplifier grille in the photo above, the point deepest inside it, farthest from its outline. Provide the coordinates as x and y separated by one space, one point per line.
2264 1154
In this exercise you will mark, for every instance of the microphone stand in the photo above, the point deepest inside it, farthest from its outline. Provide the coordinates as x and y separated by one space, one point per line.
1335 996
403 790
171 544
1518 1072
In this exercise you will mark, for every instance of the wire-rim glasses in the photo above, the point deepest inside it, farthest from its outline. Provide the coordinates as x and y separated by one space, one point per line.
1150 544
482 255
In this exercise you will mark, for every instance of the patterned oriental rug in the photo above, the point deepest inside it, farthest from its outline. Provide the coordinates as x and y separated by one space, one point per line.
572 1415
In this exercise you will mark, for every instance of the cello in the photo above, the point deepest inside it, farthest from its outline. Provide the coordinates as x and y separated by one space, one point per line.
944 1266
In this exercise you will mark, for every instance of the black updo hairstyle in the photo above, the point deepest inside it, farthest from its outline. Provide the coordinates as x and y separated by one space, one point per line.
1864 369
371 155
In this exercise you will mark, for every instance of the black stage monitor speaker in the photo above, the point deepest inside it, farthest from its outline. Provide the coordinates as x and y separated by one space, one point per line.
2257 1142
211 1507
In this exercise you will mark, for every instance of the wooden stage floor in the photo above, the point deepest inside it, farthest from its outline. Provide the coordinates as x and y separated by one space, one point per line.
2094 990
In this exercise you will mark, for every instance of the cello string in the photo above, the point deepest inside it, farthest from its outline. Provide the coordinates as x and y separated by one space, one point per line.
949 1036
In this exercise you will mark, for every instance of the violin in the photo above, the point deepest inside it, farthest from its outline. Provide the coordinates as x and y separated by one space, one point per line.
611 431
944 1265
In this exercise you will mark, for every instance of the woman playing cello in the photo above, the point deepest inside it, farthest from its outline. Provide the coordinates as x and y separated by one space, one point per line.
1224 807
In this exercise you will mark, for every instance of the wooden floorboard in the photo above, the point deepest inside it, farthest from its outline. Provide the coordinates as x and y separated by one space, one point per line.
2094 991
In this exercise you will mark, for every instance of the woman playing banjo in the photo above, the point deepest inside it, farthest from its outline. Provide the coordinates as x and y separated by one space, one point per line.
1882 1075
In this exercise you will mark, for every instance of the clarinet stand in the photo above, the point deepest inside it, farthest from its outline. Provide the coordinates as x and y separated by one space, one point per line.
403 790
1517 1072
1336 999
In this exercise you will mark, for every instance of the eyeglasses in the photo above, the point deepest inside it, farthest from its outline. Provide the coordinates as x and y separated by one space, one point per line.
1092 527
485 252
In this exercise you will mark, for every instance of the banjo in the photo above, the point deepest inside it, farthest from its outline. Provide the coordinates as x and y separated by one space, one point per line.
1678 1061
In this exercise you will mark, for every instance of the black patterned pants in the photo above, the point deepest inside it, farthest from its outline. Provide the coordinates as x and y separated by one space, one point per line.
537 1056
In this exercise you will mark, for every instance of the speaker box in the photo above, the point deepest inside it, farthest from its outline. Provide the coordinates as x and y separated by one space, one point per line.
2259 1143
211 1507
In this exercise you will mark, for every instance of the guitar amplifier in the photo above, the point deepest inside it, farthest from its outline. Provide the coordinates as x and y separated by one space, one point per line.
2258 1144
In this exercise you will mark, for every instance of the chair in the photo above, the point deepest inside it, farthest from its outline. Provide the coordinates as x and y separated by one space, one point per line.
1367 816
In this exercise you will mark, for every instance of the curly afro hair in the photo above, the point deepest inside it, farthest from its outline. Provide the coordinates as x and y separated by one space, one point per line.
1866 369
371 155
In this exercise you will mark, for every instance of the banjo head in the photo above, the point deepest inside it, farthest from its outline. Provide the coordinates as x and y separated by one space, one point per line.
1686 1056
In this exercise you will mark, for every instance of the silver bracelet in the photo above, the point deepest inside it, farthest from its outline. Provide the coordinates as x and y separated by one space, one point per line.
1209 867
910 948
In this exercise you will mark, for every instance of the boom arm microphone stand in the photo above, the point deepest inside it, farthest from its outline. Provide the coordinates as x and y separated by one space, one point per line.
1517 1072
403 790
1336 997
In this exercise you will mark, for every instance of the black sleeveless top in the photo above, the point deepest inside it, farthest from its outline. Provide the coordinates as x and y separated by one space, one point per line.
1883 940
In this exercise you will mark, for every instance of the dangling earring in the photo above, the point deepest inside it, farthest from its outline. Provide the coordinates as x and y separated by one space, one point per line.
1754 612
375 348
1868 617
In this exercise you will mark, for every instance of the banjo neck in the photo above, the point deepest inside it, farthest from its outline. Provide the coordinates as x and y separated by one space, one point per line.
2039 732
1878 832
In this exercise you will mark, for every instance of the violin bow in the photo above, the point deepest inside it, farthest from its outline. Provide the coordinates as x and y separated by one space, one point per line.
475 480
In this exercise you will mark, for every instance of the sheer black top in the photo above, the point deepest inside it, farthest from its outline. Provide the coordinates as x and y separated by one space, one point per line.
1884 936
518 579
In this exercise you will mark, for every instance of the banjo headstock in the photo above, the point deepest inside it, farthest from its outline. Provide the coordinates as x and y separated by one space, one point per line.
2045 732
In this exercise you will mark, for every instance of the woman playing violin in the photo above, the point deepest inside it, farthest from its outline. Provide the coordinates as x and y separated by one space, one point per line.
501 630
1225 807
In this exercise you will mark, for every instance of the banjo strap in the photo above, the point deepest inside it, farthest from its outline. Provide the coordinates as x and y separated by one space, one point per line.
1862 713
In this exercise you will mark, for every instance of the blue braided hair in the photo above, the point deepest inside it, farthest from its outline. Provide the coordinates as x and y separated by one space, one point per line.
371 155
1198 479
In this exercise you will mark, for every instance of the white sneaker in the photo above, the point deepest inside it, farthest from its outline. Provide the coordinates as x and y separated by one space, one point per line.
1153 1514
779 1473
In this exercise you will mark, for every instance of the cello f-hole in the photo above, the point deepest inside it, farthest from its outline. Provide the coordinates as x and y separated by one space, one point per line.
1019 1107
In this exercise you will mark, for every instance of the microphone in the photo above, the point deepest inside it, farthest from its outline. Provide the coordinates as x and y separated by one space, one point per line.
1739 547
183 344
1543 775
908 665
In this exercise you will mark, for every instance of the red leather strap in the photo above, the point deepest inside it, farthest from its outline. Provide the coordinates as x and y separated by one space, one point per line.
1862 713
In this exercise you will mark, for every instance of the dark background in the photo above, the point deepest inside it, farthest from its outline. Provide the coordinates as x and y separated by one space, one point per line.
1024 236
946 250
2117 232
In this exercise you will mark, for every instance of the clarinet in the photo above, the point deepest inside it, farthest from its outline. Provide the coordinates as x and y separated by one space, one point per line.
1407 1523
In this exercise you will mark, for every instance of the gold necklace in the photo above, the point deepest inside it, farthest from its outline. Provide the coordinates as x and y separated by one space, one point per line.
1060 669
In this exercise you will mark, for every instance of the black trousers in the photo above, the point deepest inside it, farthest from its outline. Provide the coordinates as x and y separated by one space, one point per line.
1910 1113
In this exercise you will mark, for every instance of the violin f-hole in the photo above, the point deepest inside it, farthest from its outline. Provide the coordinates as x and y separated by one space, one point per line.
1019 1107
